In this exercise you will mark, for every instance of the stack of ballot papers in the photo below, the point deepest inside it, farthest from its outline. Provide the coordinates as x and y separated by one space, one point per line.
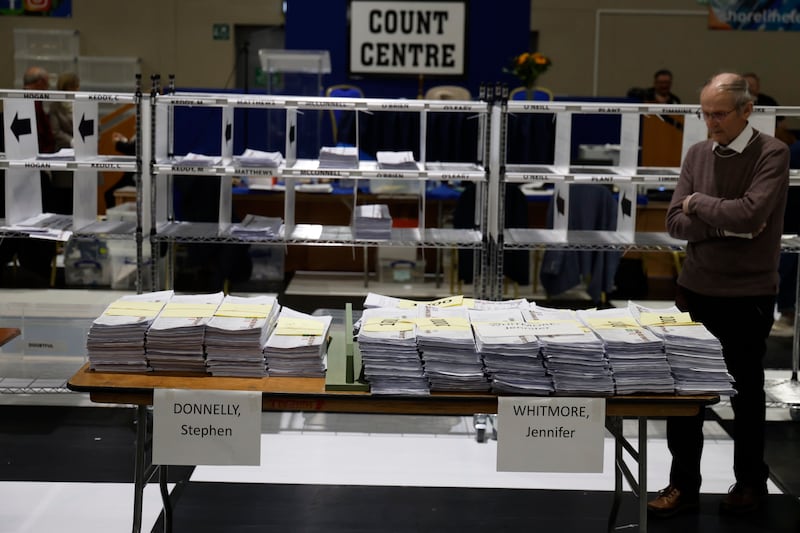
116 339
396 160
198 160
298 345
237 334
509 349
635 355
64 154
572 354
257 158
388 343
255 227
338 157
447 348
694 354
372 222
175 340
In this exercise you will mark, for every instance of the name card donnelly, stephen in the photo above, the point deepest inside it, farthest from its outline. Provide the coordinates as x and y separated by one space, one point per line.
199 427
550 434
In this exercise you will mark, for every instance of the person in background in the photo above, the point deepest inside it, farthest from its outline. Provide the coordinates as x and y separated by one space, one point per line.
661 91
124 146
787 292
728 204
34 256
61 125
61 111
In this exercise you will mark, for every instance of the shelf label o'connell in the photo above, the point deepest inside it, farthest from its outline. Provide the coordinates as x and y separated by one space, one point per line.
562 434
206 427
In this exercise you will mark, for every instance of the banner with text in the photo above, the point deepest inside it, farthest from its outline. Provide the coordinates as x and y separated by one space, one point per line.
550 434
40 8
206 427
770 15
392 38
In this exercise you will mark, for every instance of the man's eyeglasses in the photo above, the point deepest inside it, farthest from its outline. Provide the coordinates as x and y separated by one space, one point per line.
717 116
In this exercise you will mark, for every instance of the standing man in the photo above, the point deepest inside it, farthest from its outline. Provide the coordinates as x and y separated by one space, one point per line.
728 204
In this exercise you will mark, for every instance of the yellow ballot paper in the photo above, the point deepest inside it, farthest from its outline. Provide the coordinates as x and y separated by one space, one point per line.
299 327
134 308
449 301
388 324
618 322
188 310
451 323
666 319
244 310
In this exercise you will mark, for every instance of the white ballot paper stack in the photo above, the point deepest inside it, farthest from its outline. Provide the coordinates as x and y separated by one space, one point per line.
298 345
572 353
447 347
256 227
509 349
115 342
635 354
198 160
338 157
176 338
396 160
372 222
694 354
257 158
388 343
237 333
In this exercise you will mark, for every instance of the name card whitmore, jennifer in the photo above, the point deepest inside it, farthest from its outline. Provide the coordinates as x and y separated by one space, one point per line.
206 427
550 434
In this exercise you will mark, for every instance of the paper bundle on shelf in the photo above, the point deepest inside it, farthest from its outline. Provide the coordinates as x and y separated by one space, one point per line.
258 158
447 348
372 221
396 160
256 227
388 344
198 160
116 339
176 338
297 345
510 351
236 335
338 157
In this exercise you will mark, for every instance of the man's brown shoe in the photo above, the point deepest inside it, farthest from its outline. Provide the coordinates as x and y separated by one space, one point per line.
672 501
742 499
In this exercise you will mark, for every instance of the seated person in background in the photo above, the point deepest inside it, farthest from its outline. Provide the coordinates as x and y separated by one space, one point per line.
761 99
659 93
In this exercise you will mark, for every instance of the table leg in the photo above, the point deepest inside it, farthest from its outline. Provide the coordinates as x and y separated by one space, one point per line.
162 482
616 424
139 480
642 474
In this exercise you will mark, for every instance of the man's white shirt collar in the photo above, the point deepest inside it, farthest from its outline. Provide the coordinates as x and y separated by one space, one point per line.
740 142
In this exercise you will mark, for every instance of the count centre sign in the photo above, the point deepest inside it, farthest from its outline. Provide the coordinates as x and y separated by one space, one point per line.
206 427
555 434
392 38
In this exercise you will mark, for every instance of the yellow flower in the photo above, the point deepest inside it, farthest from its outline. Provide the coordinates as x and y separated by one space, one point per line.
528 67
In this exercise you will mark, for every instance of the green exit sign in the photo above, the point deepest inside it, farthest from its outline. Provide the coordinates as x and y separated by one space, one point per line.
221 32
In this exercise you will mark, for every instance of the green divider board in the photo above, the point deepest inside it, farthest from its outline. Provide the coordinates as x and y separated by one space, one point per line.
342 376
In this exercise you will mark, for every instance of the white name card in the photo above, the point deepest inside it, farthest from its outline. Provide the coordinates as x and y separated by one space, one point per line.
206 427
550 434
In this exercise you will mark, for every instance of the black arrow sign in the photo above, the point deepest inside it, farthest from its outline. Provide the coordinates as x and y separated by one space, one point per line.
85 128
228 132
20 126
560 204
626 205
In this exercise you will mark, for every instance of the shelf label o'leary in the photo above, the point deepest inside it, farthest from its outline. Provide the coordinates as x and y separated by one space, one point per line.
550 434
206 427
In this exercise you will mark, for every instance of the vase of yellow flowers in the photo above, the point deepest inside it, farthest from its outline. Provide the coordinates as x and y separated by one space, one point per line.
528 67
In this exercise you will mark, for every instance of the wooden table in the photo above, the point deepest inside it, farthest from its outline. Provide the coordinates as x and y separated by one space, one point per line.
7 334
309 394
